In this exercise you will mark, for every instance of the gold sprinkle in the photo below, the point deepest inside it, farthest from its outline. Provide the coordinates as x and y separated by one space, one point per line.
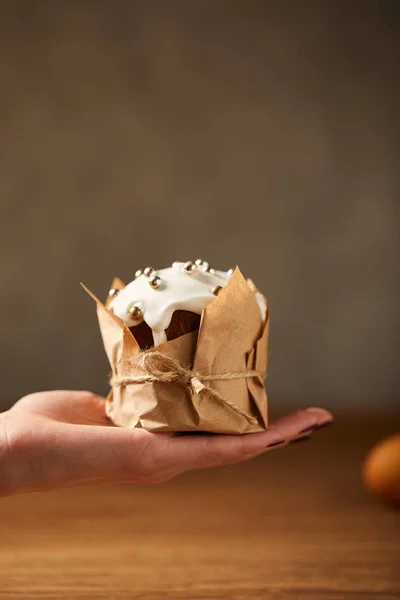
216 290
155 282
139 272
149 271
135 312
209 269
113 292
190 268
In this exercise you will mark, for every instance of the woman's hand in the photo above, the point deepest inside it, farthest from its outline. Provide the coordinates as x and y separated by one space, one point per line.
58 439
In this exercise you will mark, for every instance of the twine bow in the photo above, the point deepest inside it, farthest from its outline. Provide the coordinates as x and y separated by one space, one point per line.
159 368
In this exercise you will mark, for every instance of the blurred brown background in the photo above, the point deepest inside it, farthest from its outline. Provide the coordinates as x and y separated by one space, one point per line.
259 133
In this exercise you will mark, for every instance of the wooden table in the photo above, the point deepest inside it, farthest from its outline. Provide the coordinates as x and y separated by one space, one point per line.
293 524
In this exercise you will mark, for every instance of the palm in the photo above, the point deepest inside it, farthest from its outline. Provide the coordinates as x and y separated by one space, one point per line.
64 438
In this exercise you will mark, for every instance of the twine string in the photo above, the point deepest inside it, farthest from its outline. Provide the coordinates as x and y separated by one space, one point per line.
159 368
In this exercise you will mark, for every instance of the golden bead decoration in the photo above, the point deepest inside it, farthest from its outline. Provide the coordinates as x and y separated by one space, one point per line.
199 262
135 312
113 292
230 272
216 290
149 271
139 272
190 268
155 282
209 269
204 265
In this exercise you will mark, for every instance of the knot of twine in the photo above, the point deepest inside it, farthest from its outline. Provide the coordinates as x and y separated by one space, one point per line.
159 368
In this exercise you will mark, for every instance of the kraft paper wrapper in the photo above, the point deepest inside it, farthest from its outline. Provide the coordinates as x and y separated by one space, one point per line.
232 337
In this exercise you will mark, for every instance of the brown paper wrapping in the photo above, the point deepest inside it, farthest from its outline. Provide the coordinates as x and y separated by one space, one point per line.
231 338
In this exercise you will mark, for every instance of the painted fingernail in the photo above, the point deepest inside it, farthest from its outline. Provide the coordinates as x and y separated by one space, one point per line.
309 429
278 443
326 424
317 426
303 438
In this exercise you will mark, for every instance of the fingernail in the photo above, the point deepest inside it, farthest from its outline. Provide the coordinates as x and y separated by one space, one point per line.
309 429
317 426
326 424
303 438
278 443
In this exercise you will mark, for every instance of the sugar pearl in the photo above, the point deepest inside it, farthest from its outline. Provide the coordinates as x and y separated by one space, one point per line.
208 269
155 282
216 290
190 268
135 312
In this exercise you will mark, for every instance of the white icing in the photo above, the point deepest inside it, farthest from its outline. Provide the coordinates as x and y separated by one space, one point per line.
159 337
178 291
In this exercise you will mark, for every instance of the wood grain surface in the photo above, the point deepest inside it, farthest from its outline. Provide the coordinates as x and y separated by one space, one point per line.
293 524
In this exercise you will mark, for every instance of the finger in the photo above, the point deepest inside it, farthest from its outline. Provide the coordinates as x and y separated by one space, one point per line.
301 422
110 454
192 452
66 406
84 408
197 452
137 453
